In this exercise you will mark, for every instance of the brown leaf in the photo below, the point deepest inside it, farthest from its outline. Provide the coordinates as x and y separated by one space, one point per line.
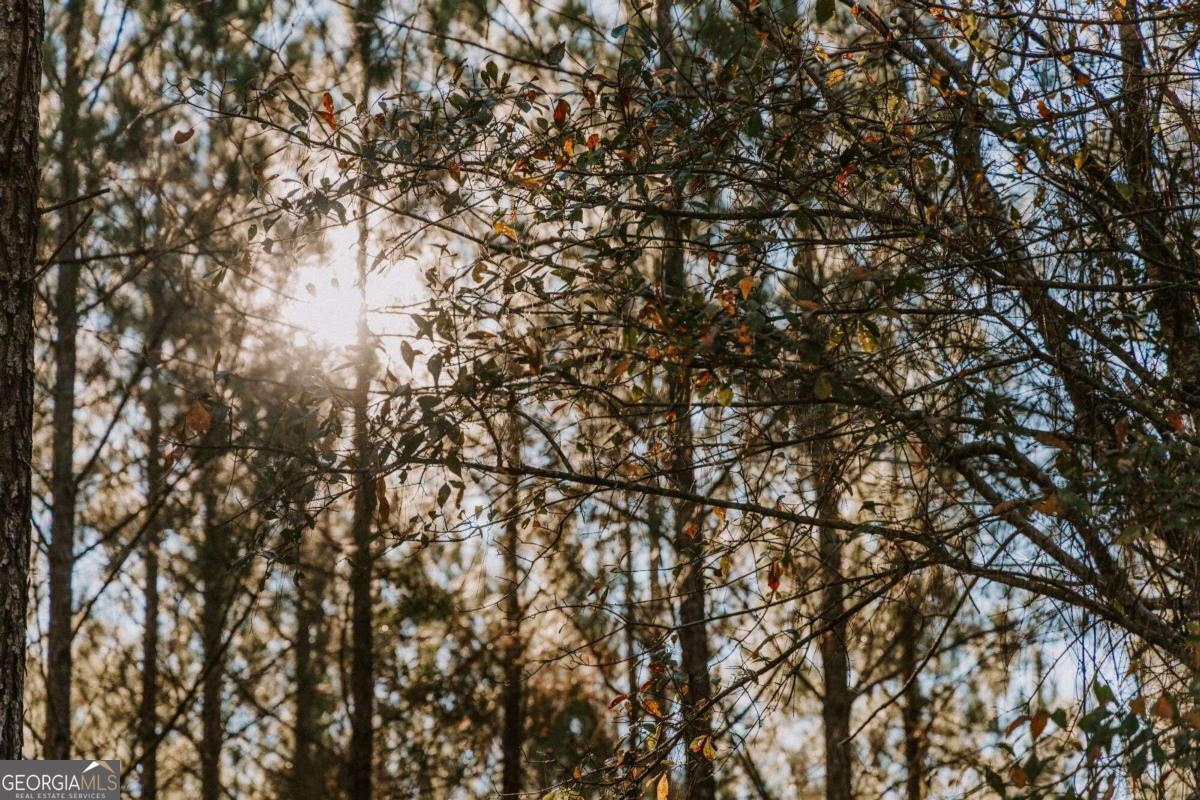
560 112
1052 440
1018 776
1037 723
183 136
1016 723
197 419
1164 709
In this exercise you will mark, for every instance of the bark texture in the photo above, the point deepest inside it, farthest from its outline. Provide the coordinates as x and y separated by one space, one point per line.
21 24
63 481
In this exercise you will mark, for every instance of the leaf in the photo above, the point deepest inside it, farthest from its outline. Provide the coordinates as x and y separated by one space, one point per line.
710 749
746 286
1052 440
834 76
197 419
664 788
183 136
556 54
1138 705
652 706
773 574
326 111
560 112
1018 777
823 10
505 230
1037 723
616 701
1164 708
592 141
1016 723
569 147
823 387
384 507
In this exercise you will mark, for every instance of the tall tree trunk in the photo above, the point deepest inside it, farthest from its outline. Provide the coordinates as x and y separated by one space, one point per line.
689 533
148 711
913 709
835 662
307 648
362 666
215 597
20 75
62 480
512 695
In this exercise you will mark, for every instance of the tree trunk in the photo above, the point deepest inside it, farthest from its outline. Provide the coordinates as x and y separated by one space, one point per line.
308 652
215 597
148 712
362 666
62 480
913 709
512 696
689 533
20 76
835 706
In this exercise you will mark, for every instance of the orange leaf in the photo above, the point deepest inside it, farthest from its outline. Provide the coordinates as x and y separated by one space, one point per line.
616 701
560 112
1164 709
651 705
569 147
746 286
592 141
664 788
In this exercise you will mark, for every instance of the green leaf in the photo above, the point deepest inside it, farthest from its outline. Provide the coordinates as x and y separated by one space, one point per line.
824 10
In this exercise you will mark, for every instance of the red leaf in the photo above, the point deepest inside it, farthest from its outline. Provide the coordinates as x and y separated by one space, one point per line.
616 701
183 136
560 112
773 574
327 110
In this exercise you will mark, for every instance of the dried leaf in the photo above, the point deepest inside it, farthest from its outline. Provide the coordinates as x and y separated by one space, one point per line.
183 136
664 788
560 112
197 419
1037 723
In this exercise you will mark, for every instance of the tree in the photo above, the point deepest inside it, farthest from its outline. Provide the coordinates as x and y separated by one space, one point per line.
20 68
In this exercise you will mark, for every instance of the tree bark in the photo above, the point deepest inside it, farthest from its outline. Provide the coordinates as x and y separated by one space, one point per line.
308 649
215 597
62 479
362 666
913 709
835 662
20 73
148 711
512 695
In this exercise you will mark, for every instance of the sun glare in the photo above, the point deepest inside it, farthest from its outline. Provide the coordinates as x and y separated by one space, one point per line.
325 299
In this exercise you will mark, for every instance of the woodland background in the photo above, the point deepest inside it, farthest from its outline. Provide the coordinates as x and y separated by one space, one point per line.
562 399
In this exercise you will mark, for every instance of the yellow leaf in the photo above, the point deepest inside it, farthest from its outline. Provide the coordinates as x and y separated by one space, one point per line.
710 749
197 419
505 230
664 788
569 147
834 76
